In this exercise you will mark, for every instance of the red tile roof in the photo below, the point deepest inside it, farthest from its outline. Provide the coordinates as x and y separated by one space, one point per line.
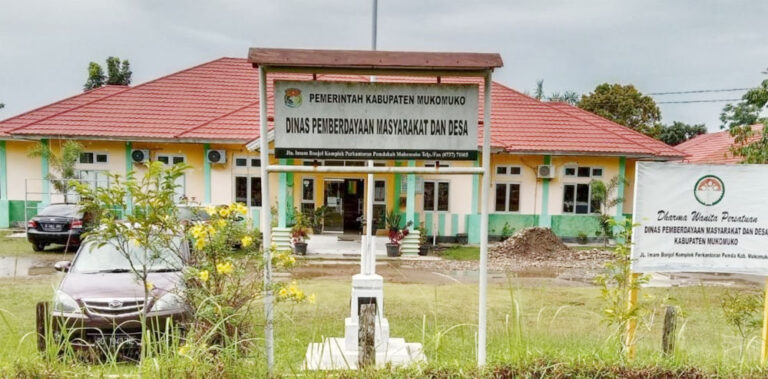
218 101
58 107
713 147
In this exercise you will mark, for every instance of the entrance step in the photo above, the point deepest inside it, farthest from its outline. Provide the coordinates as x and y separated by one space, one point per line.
410 244
281 237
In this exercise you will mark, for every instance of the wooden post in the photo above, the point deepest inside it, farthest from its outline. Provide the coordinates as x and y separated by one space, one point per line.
629 342
764 349
670 326
366 335
42 323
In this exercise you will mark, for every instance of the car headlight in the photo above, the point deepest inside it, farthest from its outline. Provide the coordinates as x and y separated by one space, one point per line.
64 303
168 302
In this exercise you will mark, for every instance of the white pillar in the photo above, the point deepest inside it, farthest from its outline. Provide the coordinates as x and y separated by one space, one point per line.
486 185
266 222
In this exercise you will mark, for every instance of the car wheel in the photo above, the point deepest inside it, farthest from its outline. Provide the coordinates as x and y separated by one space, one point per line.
38 246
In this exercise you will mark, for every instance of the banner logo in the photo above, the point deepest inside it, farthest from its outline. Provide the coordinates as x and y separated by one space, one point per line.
709 190
293 97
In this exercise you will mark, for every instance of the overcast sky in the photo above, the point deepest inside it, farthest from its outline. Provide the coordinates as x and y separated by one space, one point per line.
657 45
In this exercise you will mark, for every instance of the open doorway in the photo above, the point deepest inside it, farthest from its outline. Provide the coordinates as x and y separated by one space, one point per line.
344 199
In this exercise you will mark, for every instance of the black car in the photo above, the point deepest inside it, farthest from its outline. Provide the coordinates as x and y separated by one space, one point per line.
57 223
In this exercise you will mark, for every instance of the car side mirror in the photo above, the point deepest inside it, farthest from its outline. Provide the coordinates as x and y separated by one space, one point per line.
62 266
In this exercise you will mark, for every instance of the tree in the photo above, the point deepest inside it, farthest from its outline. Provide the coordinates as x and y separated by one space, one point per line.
2 105
740 118
63 163
605 197
118 73
624 105
96 77
569 97
677 133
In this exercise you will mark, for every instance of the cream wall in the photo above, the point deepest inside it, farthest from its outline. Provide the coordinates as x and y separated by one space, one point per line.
610 166
20 168
530 187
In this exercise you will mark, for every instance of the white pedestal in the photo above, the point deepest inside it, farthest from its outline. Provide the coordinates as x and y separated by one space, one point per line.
342 353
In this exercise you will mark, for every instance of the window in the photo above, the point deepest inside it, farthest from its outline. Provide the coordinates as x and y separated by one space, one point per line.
436 164
436 195
508 170
307 195
507 197
244 161
248 190
577 199
181 181
379 203
583 171
89 157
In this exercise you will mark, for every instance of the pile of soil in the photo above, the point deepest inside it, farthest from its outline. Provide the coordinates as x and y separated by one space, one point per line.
534 243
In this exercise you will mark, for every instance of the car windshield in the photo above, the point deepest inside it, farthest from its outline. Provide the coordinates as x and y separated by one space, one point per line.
98 258
61 210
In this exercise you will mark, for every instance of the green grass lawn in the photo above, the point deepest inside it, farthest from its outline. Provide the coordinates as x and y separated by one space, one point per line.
528 327
14 246
461 253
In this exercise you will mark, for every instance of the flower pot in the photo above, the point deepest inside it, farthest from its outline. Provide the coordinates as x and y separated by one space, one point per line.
423 250
393 250
462 238
300 248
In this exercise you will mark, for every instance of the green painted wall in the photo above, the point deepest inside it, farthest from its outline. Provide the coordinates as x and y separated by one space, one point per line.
16 211
572 225
496 222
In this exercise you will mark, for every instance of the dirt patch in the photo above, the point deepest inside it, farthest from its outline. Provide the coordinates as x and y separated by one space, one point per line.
535 243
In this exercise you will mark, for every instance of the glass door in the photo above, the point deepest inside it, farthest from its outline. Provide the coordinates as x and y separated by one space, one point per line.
334 216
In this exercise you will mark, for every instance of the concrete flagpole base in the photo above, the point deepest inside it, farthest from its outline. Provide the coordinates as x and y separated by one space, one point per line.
342 353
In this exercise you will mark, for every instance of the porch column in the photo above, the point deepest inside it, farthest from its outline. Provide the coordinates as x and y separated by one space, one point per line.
620 190
472 221
545 220
281 234
4 209
128 169
206 175
410 203
282 197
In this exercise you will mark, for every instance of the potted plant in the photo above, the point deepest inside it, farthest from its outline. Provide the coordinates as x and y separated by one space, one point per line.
318 219
396 234
300 232
423 247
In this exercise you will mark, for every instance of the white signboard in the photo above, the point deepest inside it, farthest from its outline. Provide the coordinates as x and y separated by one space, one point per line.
359 120
710 218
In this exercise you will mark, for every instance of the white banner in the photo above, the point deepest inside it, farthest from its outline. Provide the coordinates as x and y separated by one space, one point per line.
360 120
700 218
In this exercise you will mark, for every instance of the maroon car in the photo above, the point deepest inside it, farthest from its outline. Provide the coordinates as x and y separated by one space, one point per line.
100 299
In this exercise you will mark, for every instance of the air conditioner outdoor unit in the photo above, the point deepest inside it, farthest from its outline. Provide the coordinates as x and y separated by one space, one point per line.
217 156
545 171
140 156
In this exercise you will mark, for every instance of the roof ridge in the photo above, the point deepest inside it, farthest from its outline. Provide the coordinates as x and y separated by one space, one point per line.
178 135
65 111
92 90
113 94
656 151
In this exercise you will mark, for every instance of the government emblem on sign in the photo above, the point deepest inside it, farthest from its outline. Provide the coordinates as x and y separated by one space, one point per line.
293 97
709 190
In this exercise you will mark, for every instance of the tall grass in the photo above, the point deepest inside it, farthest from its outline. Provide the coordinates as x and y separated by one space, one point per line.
532 329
